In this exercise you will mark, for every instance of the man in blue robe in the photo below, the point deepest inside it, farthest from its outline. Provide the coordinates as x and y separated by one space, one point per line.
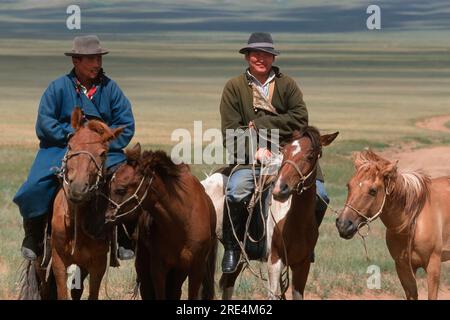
100 98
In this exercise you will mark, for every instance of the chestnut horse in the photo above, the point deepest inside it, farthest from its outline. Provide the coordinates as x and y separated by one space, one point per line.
291 225
415 210
78 230
295 234
176 228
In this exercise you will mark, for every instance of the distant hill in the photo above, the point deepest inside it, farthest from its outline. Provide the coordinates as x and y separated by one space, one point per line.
46 18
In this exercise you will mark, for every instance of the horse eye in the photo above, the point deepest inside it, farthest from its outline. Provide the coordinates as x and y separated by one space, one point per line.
120 192
372 191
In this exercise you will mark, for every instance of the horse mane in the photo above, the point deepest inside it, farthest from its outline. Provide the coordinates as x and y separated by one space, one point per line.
411 189
310 131
160 163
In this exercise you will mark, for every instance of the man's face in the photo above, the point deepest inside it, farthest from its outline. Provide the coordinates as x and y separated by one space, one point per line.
88 66
260 62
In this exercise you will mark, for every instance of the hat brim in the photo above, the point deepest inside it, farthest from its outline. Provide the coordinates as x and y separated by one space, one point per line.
264 49
76 54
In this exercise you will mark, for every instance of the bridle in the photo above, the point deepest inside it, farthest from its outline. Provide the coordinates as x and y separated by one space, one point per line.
69 155
300 187
118 206
367 219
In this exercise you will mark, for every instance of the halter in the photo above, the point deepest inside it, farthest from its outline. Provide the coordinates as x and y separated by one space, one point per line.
70 155
300 187
368 220
118 206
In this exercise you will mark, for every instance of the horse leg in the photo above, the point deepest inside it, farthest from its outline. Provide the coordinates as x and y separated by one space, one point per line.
227 281
143 271
275 265
433 275
407 280
174 283
76 293
196 274
60 272
159 278
299 276
96 272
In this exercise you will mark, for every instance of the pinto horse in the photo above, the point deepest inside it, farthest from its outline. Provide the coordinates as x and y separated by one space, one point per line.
78 234
291 226
176 224
415 210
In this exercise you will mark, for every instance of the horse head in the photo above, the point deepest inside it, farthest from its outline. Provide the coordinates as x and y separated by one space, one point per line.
126 188
300 157
372 181
83 165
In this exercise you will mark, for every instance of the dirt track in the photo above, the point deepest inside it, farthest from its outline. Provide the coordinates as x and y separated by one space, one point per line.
435 123
433 161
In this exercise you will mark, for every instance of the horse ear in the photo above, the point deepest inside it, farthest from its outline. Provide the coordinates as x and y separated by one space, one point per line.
115 133
77 118
133 154
389 170
327 139
358 159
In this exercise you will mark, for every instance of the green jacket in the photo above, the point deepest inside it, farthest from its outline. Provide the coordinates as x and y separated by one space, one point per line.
236 108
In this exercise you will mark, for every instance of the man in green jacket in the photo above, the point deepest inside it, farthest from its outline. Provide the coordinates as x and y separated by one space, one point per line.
260 98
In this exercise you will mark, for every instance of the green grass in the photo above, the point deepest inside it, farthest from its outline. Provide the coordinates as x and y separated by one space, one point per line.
372 90
447 125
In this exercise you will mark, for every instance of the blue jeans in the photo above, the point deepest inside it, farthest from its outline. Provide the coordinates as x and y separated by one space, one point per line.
321 207
238 193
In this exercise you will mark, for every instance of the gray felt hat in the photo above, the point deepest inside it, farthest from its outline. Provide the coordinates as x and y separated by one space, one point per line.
86 46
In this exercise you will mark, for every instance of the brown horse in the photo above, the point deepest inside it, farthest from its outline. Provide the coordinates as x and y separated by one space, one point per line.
176 228
415 210
78 233
295 234
291 225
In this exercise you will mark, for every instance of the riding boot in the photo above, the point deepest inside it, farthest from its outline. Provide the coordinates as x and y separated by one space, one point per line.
33 242
232 251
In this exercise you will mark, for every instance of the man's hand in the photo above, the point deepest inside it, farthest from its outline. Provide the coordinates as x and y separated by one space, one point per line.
263 154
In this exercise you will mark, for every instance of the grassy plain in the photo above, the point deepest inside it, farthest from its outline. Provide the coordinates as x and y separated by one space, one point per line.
370 87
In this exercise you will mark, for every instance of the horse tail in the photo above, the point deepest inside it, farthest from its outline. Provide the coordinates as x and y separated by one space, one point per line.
28 282
208 284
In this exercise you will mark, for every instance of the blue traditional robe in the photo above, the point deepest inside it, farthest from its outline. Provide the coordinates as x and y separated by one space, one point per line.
53 125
